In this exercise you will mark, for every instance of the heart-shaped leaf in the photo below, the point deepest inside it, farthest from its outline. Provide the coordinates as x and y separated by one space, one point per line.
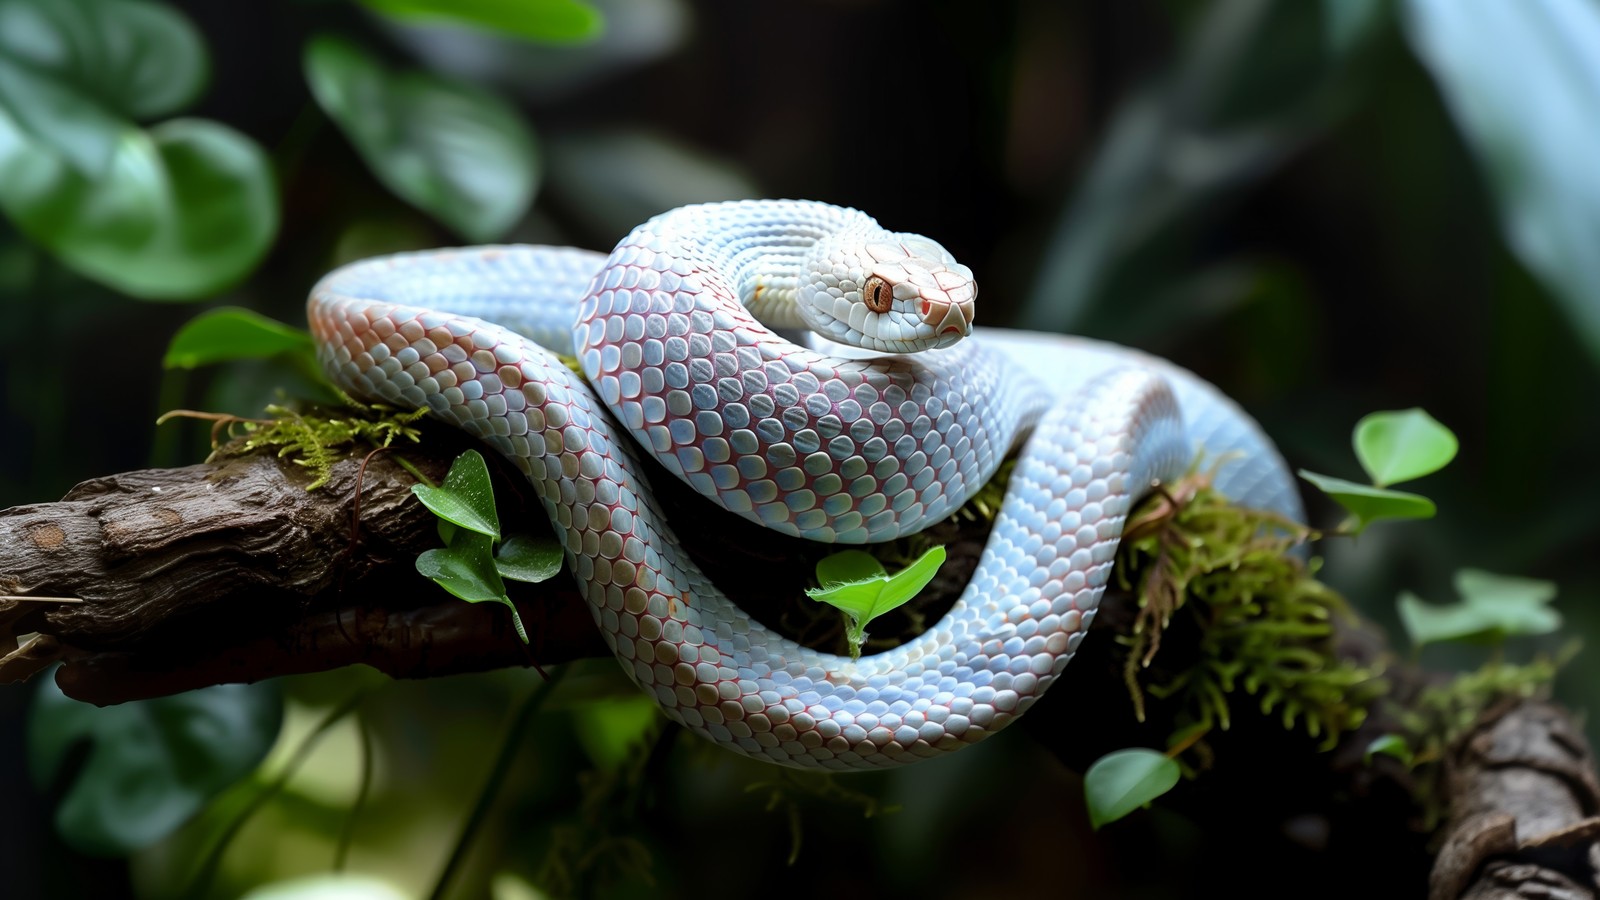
182 211
73 72
1121 782
450 148
553 21
1402 445
176 212
151 764
1522 83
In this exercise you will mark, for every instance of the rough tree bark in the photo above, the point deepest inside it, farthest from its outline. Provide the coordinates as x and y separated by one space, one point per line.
233 571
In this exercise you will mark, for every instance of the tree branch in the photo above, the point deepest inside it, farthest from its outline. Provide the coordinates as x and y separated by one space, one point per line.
232 571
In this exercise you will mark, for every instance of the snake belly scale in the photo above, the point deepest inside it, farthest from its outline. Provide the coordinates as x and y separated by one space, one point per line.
675 333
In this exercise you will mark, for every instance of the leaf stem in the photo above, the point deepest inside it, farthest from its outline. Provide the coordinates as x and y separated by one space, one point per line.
497 775
347 834
213 859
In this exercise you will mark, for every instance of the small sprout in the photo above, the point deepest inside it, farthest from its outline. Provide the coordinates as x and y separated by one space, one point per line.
1492 608
1392 447
1390 745
858 585
1121 782
468 565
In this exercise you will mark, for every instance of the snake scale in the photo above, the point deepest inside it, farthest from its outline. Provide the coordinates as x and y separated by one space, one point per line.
677 331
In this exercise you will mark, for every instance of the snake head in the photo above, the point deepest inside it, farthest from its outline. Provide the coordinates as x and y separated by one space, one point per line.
897 293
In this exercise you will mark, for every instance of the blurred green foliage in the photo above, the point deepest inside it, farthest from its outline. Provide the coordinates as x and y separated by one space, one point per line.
176 211
1326 208
150 764
451 148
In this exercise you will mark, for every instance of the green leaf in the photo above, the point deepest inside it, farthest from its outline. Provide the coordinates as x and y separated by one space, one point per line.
180 212
857 584
1121 782
176 212
552 21
1368 504
526 558
151 764
1390 745
1492 608
465 568
1522 81
453 150
72 70
230 333
1402 445
1427 623
1478 586
849 567
466 498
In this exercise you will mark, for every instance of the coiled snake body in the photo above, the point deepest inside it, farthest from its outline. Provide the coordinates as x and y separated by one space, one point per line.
674 331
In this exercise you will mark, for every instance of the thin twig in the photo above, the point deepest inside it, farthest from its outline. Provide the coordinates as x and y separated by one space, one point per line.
208 868
497 776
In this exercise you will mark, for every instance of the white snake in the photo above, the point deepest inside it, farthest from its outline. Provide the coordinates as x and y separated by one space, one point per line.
675 333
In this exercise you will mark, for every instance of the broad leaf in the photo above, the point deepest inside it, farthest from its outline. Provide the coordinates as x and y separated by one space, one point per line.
230 333
182 211
552 21
450 148
72 70
1402 445
1522 81
1121 782
176 212
466 498
151 764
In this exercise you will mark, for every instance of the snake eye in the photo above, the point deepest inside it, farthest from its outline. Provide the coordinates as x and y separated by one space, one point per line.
878 295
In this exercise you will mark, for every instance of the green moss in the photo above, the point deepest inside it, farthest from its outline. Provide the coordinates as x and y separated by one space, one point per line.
1261 623
316 439
1257 623
1442 714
